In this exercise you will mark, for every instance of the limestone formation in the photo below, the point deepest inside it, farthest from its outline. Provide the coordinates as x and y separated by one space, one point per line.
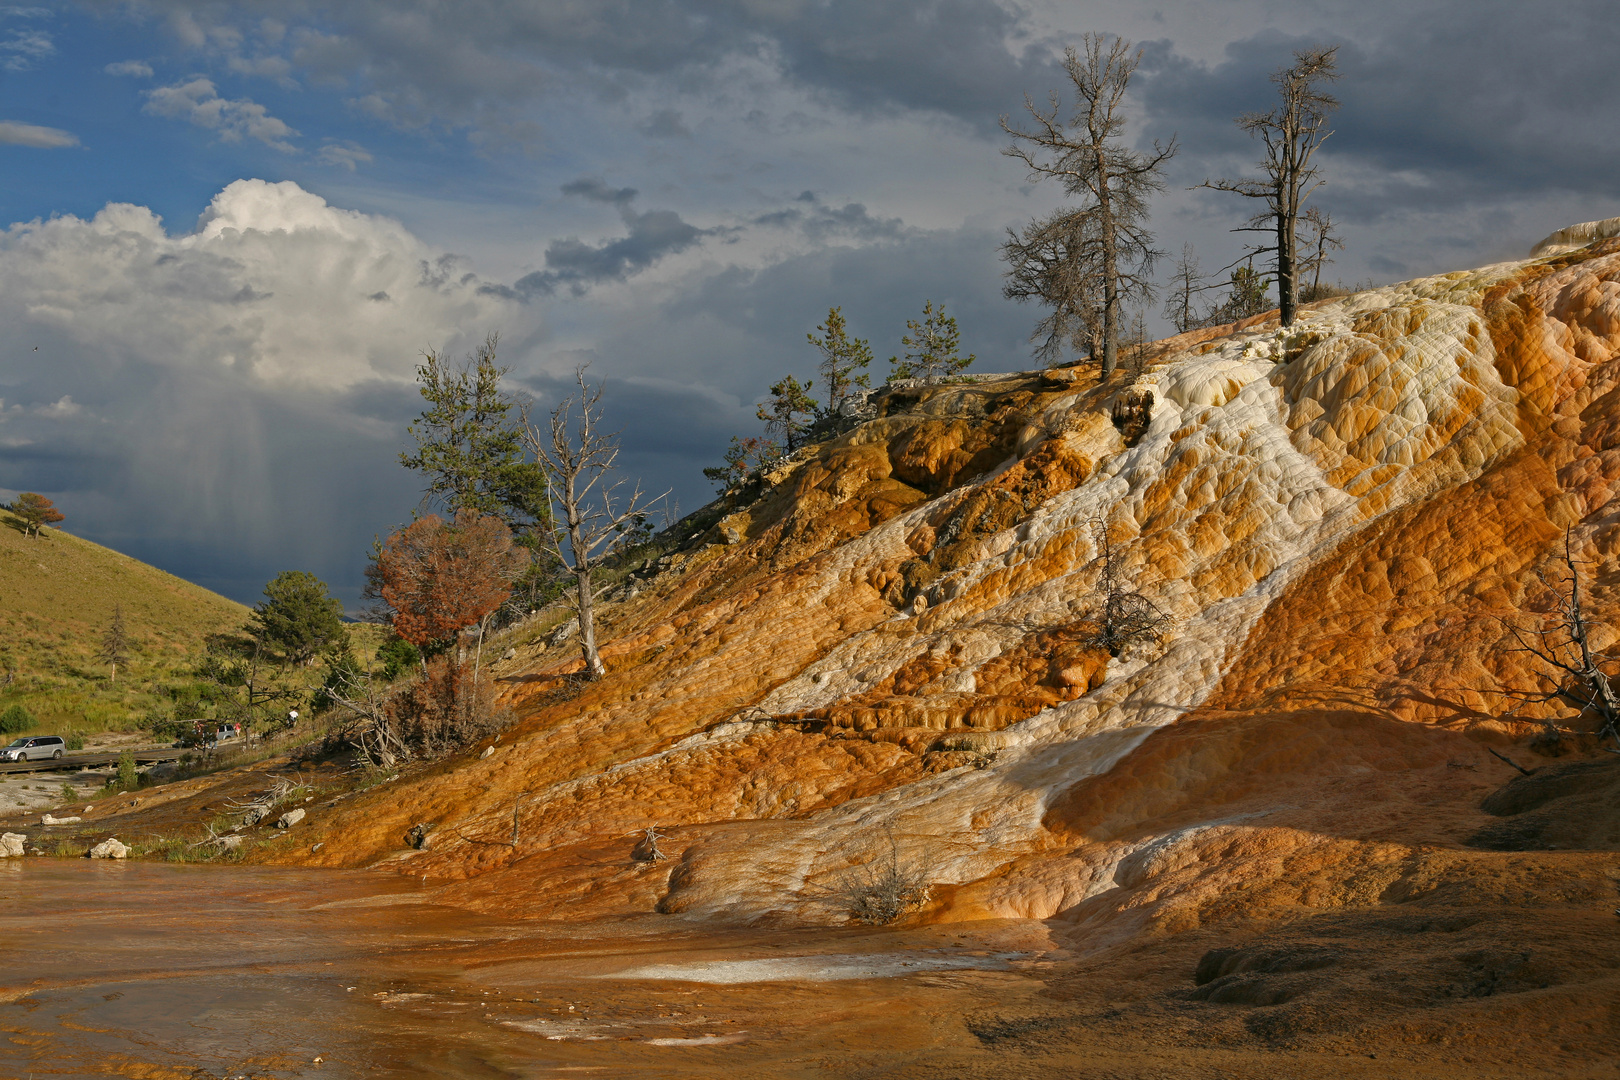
11 845
1342 519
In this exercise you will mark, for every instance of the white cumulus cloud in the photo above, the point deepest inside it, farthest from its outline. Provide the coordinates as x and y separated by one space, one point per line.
45 138
199 103
253 376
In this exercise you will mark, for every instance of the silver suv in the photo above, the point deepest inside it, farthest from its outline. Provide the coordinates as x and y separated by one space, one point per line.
36 748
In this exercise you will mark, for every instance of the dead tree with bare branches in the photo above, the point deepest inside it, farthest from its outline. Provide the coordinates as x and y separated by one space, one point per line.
1563 644
1126 616
590 511
1291 132
1105 241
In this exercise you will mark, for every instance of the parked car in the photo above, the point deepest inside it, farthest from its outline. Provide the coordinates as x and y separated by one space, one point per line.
36 748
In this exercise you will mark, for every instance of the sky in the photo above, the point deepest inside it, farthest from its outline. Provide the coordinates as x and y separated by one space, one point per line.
232 228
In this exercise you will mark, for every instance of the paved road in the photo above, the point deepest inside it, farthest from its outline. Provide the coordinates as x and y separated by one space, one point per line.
80 761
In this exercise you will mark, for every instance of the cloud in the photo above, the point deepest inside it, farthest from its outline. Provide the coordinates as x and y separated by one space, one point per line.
665 124
23 47
199 103
344 154
44 138
578 265
135 69
821 222
249 376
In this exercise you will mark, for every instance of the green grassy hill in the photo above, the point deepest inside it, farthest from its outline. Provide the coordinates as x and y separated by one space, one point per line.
57 597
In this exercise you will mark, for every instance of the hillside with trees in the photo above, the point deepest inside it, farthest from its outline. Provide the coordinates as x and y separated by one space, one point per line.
69 606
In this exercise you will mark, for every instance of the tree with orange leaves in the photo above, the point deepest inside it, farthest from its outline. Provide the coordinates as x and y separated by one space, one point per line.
35 510
440 577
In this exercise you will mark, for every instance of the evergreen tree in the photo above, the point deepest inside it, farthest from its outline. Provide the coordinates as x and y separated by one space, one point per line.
468 443
114 642
298 617
931 347
789 412
842 357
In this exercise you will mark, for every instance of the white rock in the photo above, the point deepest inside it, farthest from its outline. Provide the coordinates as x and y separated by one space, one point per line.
488 750
109 849
46 819
230 843
11 845
289 819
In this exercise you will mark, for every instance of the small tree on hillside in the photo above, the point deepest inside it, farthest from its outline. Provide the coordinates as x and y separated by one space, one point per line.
1319 240
744 459
114 643
931 347
1563 644
843 360
1291 132
35 510
298 617
587 502
1185 284
789 413
1126 616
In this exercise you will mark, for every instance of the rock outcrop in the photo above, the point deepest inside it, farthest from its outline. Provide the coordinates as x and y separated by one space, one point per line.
897 640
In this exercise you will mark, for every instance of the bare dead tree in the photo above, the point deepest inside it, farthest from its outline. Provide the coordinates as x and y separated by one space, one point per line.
1057 261
1563 644
1320 240
1188 280
1087 154
1291 133
589 509
647 849
1126 615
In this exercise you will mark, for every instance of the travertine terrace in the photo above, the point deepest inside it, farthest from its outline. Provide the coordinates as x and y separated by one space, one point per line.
888 642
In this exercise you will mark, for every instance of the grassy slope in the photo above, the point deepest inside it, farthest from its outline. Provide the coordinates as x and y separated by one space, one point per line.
57 595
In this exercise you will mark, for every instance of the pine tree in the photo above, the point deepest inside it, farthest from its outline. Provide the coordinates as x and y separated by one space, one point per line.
298 617
467 444
114 642
841 358
789 412
931 347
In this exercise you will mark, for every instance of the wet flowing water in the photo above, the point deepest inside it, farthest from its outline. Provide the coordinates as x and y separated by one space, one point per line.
156 970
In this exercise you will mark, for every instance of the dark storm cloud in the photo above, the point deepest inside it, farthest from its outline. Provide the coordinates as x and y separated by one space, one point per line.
421 61
818 221
1448 104
577 265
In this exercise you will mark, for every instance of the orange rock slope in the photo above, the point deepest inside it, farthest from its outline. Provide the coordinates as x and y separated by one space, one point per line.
890 646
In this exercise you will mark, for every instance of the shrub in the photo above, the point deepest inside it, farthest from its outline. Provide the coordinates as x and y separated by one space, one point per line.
128 778
15 719
397 656
879 892
75 741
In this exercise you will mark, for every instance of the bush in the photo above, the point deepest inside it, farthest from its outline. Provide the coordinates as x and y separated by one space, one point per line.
397 656
15 719
443 711
128 778
75 741
879 892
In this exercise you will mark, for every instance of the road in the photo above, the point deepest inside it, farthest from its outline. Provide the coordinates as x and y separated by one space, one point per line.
82 761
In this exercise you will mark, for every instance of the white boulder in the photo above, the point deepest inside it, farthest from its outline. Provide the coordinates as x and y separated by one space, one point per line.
289 819
11 845
109 849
